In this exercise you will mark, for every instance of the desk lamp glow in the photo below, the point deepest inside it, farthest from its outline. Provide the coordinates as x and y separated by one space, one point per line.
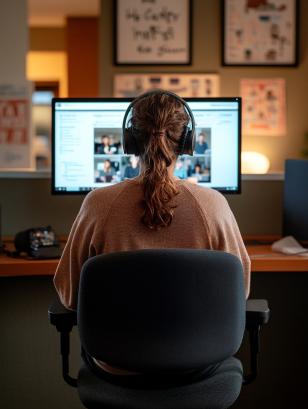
254 162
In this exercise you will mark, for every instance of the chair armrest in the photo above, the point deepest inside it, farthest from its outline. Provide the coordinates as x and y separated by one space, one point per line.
64 320
257 314
61 317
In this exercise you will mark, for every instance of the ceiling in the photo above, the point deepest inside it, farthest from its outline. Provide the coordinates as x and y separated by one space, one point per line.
54 12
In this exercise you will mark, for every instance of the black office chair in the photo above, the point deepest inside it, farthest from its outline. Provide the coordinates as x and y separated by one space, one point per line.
175 316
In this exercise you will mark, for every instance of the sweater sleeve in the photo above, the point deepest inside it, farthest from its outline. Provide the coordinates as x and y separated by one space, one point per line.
78 249
228 238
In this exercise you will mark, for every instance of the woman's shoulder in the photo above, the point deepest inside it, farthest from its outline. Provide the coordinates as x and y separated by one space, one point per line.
203 193
209 202
104 196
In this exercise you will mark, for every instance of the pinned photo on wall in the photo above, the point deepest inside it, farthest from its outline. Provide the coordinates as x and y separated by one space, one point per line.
264 106
260 32
185 85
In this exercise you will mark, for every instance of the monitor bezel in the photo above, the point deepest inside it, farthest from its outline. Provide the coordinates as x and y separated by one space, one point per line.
113 99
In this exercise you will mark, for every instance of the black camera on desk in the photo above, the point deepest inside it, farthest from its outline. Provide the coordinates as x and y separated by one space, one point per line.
37 242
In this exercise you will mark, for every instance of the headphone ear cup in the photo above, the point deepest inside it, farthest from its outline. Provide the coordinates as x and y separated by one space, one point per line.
129 142
187 142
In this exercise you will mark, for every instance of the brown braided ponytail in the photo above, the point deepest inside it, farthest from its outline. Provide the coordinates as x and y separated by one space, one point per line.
158 121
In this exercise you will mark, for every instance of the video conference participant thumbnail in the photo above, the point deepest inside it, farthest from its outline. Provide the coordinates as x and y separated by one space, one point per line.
107 141
107 170
202 141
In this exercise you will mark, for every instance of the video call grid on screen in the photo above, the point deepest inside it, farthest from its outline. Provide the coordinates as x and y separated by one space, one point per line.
87 151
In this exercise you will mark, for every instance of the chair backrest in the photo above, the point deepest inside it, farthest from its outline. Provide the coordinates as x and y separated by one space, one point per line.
295 201
161 309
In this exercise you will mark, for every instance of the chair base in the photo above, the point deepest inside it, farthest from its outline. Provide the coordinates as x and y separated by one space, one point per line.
218 391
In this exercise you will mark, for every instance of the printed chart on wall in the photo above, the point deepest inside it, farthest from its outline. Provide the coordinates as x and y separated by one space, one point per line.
260 32
264 106
152 32
15 126
185 85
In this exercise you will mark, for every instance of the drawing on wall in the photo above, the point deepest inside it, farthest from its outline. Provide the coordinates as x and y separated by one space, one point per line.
185 85
15 141
260 32
152 32
264 106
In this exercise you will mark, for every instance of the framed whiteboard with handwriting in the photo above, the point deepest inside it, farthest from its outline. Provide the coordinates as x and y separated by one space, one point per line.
152 32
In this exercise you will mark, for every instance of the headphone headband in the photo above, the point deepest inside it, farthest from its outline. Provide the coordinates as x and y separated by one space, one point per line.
187 140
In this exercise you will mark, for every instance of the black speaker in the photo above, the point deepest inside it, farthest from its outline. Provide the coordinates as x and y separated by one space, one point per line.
187 140
295 199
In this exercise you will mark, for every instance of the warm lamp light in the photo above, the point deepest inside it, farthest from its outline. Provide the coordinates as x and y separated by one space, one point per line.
254 162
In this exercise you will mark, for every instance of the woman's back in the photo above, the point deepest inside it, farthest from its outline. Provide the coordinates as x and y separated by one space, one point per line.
109 221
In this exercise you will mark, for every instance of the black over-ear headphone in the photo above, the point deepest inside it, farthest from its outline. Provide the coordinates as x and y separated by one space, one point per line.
187 140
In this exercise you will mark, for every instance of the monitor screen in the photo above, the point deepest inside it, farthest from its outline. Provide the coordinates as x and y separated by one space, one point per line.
87 151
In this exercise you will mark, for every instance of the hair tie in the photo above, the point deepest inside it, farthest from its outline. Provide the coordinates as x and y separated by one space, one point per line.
159 134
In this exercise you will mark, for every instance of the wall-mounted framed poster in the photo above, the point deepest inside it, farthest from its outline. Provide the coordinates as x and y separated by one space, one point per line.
260 32
153 32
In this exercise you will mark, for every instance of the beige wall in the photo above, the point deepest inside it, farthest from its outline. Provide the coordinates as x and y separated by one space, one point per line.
13 41
29 203
206 58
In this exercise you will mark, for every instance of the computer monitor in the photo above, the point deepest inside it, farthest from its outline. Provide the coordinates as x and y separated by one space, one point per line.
87 151
295 199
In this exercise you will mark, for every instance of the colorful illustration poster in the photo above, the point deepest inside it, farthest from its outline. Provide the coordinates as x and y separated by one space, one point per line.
264 106
185 85
260 32
15 141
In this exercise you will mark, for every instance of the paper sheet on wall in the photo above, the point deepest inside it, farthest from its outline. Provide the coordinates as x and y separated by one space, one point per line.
185 85
264 106
15 135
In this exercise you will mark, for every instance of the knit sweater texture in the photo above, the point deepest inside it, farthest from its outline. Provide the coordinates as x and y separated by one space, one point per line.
109 220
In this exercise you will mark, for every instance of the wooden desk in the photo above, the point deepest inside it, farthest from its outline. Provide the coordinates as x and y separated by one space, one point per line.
262 259
10 267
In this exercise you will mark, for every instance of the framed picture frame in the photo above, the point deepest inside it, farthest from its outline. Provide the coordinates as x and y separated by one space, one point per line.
186 85
156 32
260 33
